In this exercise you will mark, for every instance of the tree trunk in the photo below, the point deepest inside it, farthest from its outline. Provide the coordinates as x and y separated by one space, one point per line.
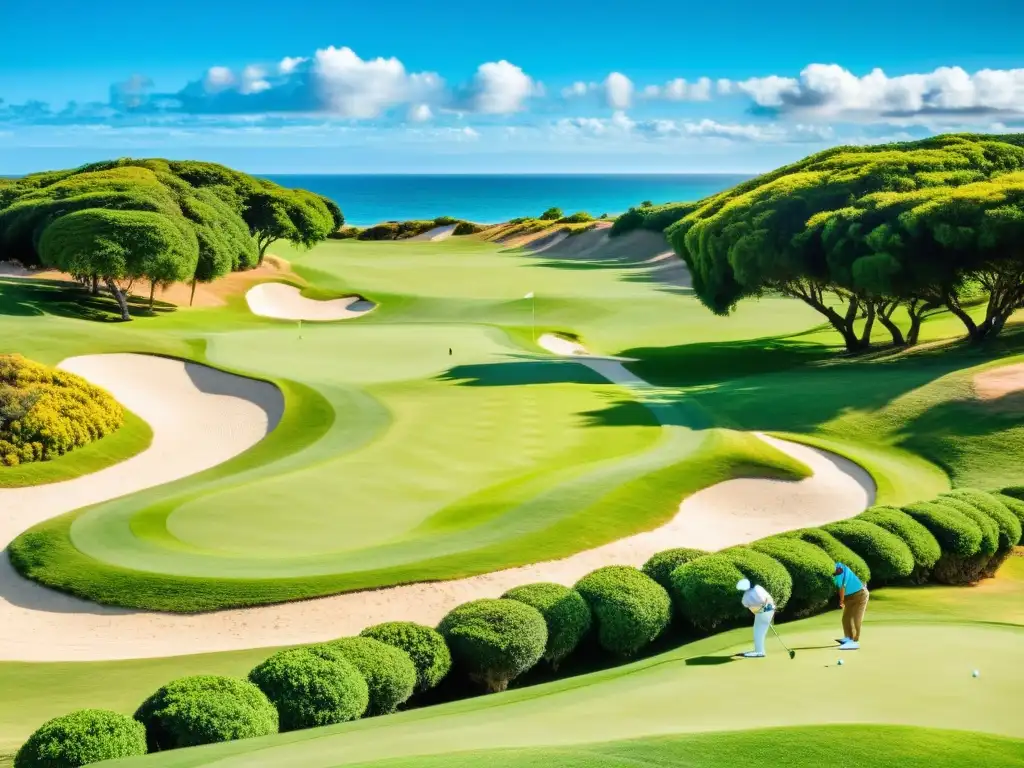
812 295
193 296
152 291
262 243
95 289
953 303
884 315
118 294
869 324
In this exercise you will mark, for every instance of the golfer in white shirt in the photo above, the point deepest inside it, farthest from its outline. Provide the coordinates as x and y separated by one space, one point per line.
757 600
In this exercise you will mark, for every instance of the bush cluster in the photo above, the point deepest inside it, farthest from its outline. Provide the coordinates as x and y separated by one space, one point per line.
424 645
565 612
46 412
495 641
389 672
630 608
580 217
952 539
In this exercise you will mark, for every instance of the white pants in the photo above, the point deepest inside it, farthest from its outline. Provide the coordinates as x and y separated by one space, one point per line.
762 621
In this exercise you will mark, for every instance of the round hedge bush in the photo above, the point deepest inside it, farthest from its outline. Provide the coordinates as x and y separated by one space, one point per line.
565 612
989 504
705 592
424 646
922 544
988 527
886 555
46 412
764 570
630 608
311 688
389 672
839 552
810 568
1016 506
494 641
960 538
661 564
205 709
80 738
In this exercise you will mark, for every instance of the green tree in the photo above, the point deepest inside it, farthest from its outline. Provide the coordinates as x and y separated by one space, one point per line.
551 214
120 245
275 213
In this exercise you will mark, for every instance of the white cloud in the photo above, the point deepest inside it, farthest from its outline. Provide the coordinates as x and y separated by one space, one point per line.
348 86
579 88
218 79
289 64
500 88
831 90
724 86
618 91
621 126
680 90
253 80
420 113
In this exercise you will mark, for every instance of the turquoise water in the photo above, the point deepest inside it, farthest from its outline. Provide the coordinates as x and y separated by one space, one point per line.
490 199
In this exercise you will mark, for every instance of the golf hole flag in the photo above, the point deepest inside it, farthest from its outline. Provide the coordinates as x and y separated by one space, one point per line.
529 295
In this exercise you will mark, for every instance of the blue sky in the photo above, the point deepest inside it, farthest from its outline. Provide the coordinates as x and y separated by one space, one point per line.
398 86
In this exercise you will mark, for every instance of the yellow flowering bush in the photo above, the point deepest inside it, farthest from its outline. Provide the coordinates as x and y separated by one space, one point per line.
46 412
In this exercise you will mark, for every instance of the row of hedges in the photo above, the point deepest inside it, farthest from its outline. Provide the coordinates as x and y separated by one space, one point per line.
957 538
656 218
401 230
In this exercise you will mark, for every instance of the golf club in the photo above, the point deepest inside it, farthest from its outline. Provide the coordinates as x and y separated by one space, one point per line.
792 653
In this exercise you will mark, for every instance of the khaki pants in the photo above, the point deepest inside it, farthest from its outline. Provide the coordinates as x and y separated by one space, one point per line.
853 613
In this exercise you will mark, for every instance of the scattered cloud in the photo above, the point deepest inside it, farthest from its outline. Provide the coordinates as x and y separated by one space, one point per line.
618 91
830 90
680 89
420 113
500 88
620 124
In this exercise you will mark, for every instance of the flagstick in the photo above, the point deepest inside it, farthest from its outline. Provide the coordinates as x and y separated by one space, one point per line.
533 304
300 329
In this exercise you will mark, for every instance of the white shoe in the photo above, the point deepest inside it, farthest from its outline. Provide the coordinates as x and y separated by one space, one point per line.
843 641
849 645
753 655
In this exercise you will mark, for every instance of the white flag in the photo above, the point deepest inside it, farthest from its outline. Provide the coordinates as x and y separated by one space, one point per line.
529 295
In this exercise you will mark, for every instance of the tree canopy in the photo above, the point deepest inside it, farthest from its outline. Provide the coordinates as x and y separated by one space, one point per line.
857 232
165 221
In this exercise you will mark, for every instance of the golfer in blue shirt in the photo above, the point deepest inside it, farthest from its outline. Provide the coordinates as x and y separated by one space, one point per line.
853 599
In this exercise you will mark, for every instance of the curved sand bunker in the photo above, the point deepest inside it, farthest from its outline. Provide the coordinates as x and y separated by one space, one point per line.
37 624
1002 387
437 233
285 302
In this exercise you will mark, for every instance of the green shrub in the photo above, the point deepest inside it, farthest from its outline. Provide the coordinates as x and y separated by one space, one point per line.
466 228
630 609
661 564
46 412
424 646
205 709
80 738
656 218
551 214
922 544
990 504
1016 491
764 570
988 527
386 231
1016 506
576 218
445 221
345 233
565 612
809 567
962 561
704 591
494 641
389 672
311 688
839 552
885 553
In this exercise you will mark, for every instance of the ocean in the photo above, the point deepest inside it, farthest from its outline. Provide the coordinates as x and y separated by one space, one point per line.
367 200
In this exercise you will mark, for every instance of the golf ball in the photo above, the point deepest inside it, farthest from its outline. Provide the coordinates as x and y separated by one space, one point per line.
975 673
840 663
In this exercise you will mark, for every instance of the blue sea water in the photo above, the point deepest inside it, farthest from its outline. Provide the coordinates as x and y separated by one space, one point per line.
368 200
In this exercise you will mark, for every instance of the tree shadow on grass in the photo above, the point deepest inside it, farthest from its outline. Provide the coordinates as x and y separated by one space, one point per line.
36 298
511 373
710 661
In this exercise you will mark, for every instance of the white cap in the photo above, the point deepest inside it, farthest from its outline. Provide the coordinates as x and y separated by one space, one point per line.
743 585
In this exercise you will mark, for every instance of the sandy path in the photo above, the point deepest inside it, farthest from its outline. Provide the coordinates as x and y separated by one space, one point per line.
286 302
1002 387
437 233
40 625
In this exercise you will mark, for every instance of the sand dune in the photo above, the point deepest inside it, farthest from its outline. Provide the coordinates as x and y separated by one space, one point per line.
437 233
286 302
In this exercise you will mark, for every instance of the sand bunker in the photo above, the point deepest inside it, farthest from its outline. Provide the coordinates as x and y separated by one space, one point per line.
437 233
286 302
41 625
1004 385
